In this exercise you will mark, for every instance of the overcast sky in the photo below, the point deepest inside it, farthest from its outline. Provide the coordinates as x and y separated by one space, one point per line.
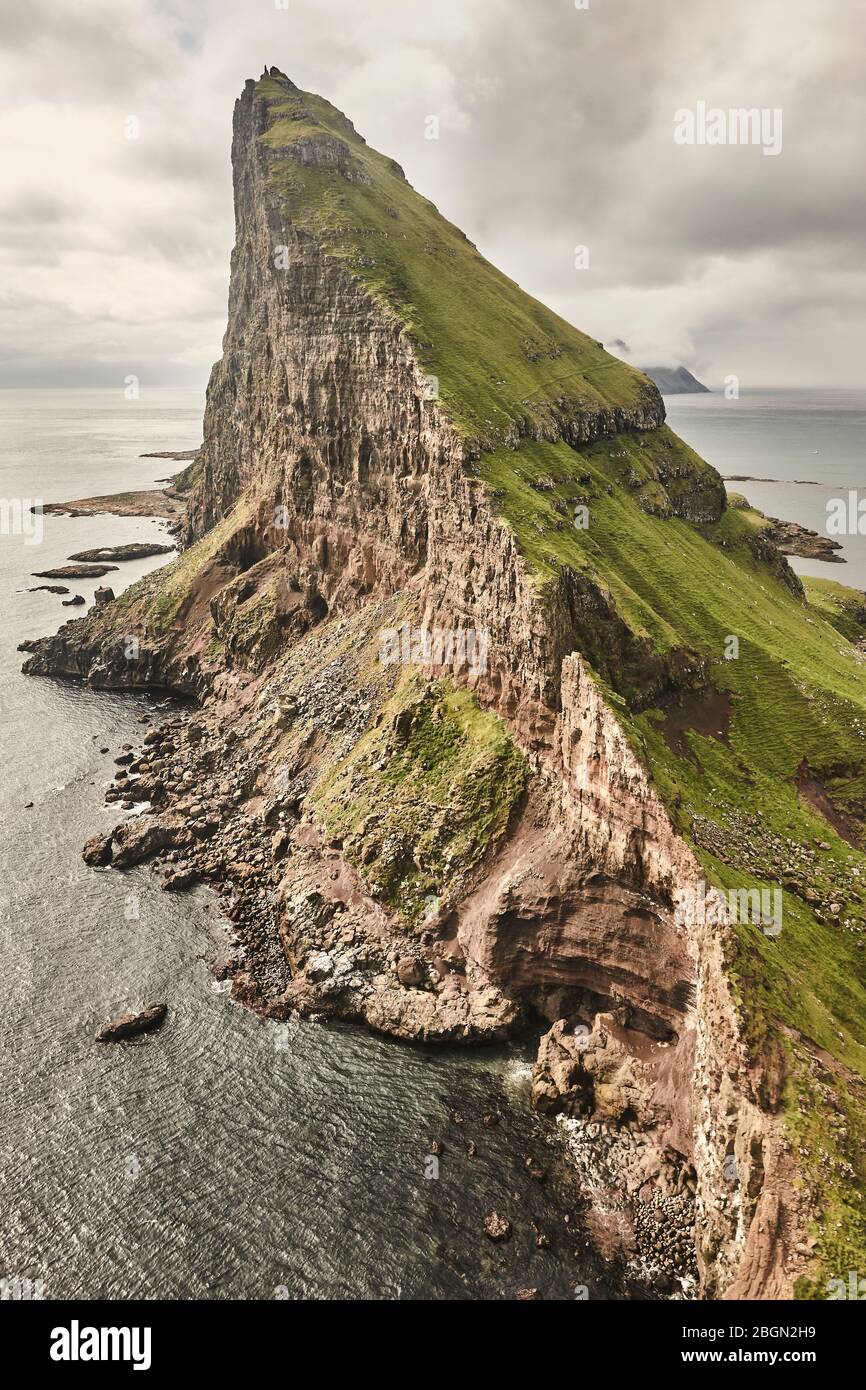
556 130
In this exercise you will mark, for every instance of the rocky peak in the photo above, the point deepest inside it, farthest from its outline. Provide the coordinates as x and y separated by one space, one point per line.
454 599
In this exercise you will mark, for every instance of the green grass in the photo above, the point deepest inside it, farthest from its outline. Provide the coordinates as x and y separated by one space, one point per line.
502 359
423 795
797 690
843 607
177 580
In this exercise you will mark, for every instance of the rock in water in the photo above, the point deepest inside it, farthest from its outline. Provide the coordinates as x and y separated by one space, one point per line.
129 1025
102 596
136 550
74 572
497 1227
98 850
794 539
180 880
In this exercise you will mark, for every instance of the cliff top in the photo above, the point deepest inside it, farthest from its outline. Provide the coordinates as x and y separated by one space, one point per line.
505 363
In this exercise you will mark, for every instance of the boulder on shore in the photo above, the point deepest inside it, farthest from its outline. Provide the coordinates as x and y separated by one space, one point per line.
97 851
141 839
179 880
129 1025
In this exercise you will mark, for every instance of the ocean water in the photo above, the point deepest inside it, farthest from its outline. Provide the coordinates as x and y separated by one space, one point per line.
223 1156
818 437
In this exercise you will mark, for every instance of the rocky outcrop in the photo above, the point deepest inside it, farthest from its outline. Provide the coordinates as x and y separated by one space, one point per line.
74 572
130 1025
134 550
335 500
675 381
793 539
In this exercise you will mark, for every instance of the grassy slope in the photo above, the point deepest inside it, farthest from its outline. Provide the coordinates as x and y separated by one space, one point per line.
161 597
423 795
843 607
797 687
499 355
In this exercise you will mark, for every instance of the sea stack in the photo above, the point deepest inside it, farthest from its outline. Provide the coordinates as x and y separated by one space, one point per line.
474 750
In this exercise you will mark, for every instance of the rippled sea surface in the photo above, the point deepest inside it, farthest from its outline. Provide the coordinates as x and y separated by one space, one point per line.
816 437
223 1156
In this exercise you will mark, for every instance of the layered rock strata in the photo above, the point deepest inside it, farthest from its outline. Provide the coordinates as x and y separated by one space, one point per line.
534 885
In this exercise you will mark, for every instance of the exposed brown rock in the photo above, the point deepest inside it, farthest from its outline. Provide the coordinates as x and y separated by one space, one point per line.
74 572
793 539
134 550
130 1025
98 850
357 507
141 839
156 502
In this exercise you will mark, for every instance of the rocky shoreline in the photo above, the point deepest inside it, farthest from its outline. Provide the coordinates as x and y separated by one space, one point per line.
196 827
305 942
195 808
793 539
162 503
637 1209
748 478
197 824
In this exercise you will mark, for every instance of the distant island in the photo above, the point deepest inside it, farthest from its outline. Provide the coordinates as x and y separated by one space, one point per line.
674 381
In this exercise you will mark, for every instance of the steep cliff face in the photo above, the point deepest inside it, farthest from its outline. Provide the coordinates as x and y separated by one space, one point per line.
454 602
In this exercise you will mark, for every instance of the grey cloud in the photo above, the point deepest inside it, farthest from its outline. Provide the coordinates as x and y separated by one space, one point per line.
556 130
36 207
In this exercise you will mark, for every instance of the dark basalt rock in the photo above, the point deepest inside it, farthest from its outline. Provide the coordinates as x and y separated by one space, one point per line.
793 539
74 572
130 1025
137 550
